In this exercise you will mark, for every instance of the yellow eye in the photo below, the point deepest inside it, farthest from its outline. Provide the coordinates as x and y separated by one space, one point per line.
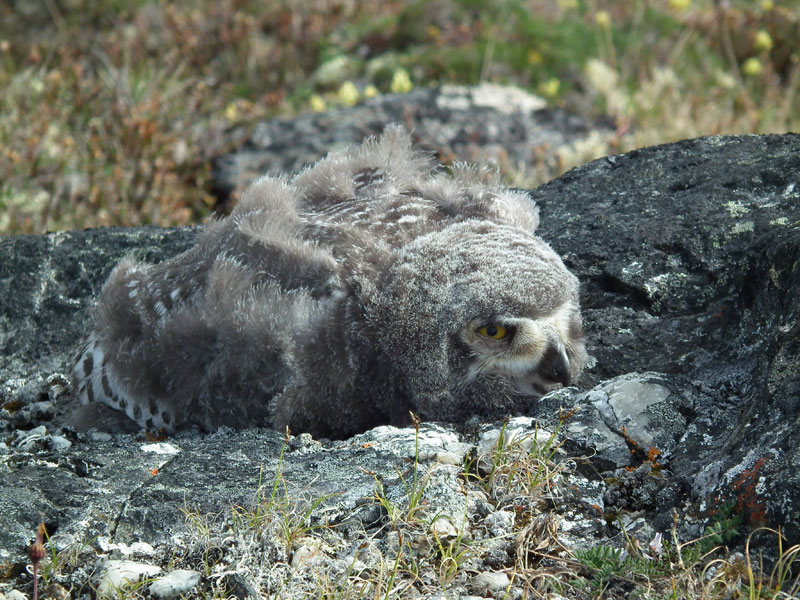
496 332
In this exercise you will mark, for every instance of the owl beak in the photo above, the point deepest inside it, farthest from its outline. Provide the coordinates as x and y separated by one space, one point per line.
554 366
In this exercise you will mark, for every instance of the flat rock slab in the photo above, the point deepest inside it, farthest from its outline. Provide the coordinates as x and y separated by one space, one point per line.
689 255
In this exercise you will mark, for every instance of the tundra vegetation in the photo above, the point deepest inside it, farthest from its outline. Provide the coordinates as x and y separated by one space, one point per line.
111 112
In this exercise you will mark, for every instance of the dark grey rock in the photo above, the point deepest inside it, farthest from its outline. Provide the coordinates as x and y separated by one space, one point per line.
688 254
487 123
47 283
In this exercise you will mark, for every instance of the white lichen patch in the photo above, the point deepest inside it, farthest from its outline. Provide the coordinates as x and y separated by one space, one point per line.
779 221
507 99
674 261
662 284
736 209
633 269
432 443
161 448
743 227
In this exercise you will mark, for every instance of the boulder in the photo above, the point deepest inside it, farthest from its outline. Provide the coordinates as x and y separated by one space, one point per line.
689 257
504 126
689 254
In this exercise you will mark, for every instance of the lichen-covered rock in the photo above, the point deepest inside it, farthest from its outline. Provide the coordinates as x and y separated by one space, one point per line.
488 123
689 254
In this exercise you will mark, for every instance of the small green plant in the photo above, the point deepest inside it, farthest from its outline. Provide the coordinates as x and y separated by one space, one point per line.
49 563
203 526
606 562
452 553
722 529
521 466
276 511
781 582
414 488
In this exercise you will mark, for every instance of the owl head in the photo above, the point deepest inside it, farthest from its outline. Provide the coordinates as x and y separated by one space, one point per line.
476 314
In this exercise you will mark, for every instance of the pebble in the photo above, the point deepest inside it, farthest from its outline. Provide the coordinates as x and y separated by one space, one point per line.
58 443
175 583
489 584
116 573
443 528
500 523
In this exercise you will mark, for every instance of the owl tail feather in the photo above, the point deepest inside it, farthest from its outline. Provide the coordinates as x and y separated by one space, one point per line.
97 388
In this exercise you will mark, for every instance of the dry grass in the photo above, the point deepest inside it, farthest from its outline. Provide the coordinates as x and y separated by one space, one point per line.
110 112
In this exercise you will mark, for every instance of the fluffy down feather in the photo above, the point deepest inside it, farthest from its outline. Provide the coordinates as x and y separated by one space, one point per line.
366 286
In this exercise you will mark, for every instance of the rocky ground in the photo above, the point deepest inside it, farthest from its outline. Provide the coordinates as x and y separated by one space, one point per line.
684 424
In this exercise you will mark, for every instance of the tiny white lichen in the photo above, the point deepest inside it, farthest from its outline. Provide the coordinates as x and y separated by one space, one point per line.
744 227
736 209
635 268
663 282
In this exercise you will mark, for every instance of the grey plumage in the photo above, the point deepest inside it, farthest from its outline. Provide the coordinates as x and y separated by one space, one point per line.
366 286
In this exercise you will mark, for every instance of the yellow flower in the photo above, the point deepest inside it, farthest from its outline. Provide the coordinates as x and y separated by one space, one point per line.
317 103
370 91
679 5
534 57
348 93
767 5
603 19
401 82
237 109
232 112
725 79
752 67
763 40
550 87
433 32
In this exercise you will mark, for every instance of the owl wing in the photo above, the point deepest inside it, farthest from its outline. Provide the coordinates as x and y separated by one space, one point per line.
201 338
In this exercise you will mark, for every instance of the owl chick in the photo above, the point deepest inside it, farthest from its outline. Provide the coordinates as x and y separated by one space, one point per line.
365 287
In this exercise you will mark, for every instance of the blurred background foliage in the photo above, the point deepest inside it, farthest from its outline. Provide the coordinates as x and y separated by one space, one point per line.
112 110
